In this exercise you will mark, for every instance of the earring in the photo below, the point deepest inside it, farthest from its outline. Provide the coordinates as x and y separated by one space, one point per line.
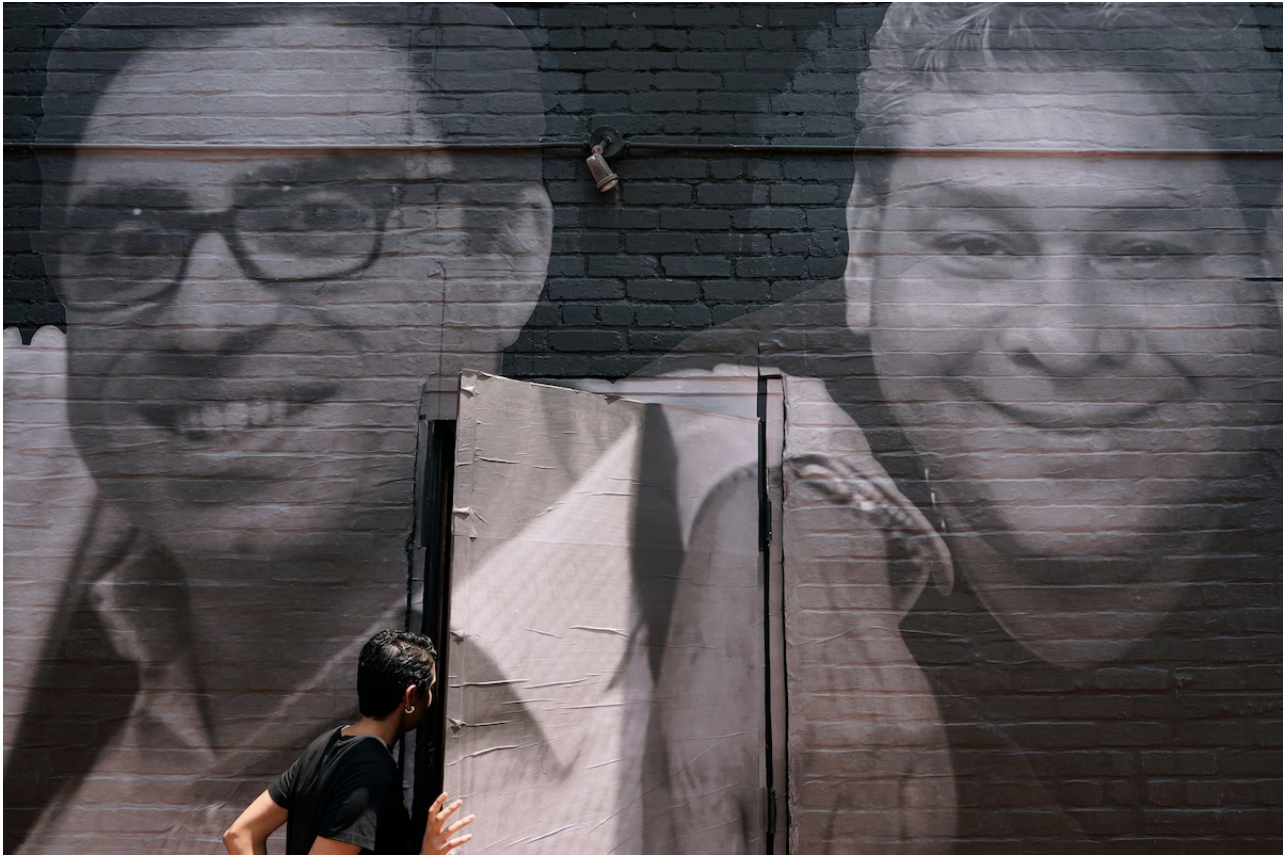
410 709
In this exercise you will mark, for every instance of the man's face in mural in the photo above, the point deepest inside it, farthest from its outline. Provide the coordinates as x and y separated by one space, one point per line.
1071 343
250 328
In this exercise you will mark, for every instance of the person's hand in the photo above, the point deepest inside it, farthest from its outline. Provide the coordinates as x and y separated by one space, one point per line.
437 835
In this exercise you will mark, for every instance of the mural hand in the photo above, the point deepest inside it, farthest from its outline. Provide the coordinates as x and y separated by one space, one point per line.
870 770
48 494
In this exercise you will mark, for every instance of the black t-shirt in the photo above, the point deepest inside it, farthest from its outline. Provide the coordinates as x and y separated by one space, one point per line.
346 789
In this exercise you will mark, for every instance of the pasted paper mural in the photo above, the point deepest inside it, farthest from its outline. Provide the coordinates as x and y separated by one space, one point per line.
1028 548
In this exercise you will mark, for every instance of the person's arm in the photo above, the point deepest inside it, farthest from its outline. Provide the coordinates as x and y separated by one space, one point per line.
249 832
437 834
331 846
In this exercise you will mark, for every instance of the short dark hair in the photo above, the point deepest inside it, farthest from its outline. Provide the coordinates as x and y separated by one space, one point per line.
389 663
1208 61
471 100
475 73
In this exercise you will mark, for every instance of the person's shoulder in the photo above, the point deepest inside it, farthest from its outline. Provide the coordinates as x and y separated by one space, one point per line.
366 752
321 741
333 750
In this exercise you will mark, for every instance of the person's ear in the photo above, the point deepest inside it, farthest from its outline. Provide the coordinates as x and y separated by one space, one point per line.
863 216
524 236
493 283
411 699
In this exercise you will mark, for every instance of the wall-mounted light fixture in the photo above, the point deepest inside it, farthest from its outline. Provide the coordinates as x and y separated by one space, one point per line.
604 143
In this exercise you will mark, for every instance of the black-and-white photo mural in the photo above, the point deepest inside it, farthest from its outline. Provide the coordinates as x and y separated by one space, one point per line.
876 447
271 271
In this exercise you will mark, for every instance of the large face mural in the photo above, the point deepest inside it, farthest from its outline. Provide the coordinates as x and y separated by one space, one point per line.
1077 419
273 270
300 254
1012 580
1064 278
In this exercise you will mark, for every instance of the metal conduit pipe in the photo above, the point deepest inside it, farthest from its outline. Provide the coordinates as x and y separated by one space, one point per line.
646 146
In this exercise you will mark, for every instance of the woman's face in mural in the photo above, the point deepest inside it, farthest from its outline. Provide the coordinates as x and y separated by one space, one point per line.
250 329
1071 343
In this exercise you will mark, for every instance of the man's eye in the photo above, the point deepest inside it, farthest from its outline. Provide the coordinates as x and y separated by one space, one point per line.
138 239
325 216
1146 250
120 257
971 245
323 213
132 234
303 234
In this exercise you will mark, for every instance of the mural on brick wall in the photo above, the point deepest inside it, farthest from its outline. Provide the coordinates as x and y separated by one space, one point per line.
270 276
1063 305
1030 543
572 561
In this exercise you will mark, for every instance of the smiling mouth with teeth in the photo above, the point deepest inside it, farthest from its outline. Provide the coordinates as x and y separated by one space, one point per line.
204 423
210 422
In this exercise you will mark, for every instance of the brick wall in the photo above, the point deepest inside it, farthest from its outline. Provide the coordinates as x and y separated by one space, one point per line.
1170 742
688 240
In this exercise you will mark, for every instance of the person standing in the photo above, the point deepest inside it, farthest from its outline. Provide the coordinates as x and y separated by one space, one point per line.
343 794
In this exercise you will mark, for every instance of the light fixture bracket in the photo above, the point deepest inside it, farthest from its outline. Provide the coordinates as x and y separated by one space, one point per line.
609 138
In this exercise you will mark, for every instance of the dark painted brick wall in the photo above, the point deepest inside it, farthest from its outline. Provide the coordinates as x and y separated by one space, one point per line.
689 239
